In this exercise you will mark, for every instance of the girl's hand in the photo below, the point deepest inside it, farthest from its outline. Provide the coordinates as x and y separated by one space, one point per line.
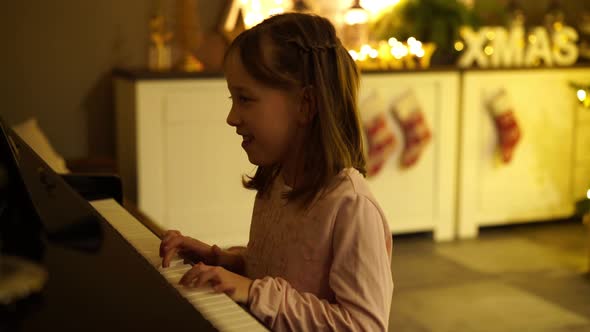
222 281
173 242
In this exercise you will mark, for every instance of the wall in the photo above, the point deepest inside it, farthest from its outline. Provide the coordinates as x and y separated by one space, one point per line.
57 60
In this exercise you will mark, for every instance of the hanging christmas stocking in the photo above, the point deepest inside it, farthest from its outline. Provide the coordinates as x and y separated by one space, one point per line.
410 117
379 132
381 142
506 126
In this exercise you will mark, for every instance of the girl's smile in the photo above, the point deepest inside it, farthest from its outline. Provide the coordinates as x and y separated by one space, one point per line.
246 140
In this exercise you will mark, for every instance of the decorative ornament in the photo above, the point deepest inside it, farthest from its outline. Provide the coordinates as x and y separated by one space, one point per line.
394 55
232 20
507 128
379 133
240 15
355 30
430 21
160 53
381 142
499 47
408 113
189 35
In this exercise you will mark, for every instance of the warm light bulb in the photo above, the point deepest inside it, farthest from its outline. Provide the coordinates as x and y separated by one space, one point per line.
251 19
588 194
399 50
488 50
582 95
356 16
377 6
415 46
353 54
532 39
365 49
276 11
459 46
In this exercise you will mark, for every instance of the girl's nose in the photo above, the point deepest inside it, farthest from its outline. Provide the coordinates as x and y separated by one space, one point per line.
233 118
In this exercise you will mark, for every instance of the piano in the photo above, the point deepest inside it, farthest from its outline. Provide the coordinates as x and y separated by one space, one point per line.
102 264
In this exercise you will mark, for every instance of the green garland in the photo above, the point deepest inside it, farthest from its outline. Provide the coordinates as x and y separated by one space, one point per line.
436 21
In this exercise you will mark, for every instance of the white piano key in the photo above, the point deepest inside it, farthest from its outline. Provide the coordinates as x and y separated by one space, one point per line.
191 292
251 325
177 268
226 311
212 299
218 308
224 308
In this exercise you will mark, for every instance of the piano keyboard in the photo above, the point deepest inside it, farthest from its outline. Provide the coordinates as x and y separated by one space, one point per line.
218 308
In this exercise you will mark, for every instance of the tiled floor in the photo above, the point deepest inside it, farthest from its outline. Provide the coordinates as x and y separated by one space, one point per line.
514 278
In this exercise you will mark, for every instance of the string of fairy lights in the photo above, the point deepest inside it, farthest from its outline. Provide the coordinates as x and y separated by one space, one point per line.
384 54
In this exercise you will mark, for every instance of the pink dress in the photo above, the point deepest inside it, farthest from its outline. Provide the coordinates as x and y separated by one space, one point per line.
324 268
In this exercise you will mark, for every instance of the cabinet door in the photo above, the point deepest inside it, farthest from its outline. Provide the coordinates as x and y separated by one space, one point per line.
420 197
537 183
582 154
200 160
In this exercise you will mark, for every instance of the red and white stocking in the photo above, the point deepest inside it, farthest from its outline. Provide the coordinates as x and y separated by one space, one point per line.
408 113
381 142
506 125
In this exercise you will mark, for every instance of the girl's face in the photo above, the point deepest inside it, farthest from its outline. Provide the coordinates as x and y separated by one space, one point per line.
267 118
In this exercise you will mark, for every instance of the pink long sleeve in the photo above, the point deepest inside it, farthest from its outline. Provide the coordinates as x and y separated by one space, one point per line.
357 274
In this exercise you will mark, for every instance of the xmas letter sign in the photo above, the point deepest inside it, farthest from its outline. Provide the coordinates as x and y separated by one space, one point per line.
498 47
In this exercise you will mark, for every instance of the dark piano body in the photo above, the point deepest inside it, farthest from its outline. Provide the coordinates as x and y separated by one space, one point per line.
96 280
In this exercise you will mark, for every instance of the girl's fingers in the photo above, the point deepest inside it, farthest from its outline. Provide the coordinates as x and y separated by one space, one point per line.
170 234
170 249
224 288
190 275
168 256
193 274
166 239
208 275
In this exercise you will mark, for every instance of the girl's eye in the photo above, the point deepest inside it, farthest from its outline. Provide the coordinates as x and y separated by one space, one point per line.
240 99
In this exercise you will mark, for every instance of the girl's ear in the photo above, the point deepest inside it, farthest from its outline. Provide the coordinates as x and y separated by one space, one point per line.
307 109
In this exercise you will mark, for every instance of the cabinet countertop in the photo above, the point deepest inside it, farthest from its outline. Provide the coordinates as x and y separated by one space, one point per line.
139 74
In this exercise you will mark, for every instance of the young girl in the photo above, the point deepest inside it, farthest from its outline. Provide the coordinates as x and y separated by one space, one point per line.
319 252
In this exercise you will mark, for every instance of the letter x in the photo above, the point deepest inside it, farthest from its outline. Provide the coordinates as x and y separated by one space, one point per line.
474 41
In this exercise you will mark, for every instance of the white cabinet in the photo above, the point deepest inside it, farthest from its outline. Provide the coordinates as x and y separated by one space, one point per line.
540 181
182 164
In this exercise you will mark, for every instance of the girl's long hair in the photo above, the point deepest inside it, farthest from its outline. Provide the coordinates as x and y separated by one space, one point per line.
294 50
